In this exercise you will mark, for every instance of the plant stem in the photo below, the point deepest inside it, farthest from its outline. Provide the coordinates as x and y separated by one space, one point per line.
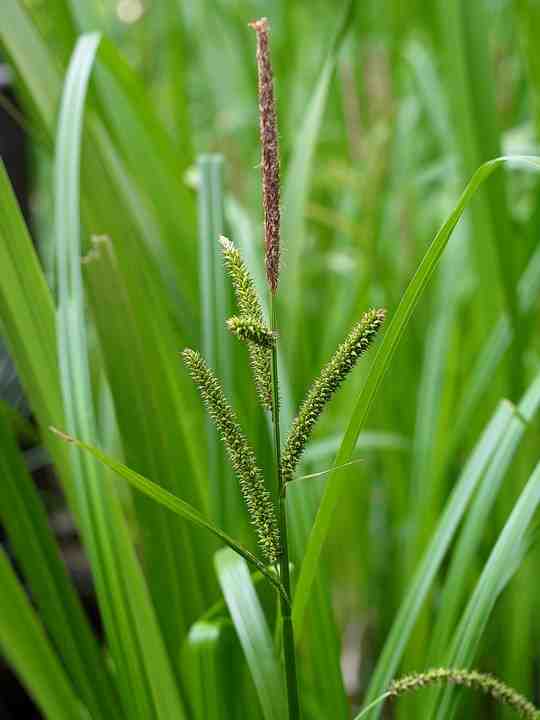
286 610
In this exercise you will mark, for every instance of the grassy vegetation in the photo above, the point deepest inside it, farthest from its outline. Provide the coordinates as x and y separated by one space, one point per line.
143 124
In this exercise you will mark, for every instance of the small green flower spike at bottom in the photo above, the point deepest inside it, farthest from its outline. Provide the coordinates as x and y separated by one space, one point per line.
488 684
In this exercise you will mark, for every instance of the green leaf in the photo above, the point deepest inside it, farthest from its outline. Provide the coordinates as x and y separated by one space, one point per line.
213 671
24 643
215 306
368 441
170 501
147 683
25 520
30 56
492 581
253 633
136 325
478 518
435 553
152 161
386 349
493 350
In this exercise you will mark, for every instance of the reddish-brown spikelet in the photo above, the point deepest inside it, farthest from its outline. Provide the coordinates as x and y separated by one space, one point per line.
269 154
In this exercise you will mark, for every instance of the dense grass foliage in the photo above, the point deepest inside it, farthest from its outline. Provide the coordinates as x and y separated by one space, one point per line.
142 119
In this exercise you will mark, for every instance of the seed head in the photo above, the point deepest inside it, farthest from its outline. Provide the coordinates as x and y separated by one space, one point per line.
269 154
249 330
256 496
260 358
488 684
331 377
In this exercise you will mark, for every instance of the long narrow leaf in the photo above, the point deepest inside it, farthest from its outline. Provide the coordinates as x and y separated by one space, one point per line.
490 585
253 632
394 333
23 516
478 518
24 643
435 553
170 501
148 684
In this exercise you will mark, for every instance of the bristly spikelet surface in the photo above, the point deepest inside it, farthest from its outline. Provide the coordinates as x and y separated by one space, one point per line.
269 154
249 330
260 358
256 496
331 377
468 678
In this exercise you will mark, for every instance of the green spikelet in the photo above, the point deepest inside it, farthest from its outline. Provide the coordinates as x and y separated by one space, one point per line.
331 377
488 684
249 330
257 498
260 358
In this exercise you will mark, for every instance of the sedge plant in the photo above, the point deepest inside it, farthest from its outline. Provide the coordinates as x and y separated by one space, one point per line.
131 191
261 336
262 340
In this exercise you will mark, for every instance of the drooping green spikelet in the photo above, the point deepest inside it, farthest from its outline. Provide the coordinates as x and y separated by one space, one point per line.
488 684
260 358
331 377
257 498
249 330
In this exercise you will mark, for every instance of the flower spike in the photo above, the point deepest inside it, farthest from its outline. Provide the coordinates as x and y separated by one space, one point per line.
270 154
488 684
249 330
331 377
256 496
260 358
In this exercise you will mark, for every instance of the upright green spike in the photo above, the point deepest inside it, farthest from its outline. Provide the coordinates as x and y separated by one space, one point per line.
250 306
331 377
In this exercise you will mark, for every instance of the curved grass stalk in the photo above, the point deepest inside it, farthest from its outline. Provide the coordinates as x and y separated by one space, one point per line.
489 685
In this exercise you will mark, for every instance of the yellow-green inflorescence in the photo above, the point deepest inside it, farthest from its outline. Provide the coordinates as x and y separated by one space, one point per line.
257 498
250 307
249 330
331 377
488 684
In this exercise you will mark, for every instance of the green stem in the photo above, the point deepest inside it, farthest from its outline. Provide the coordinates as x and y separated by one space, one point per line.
286 609
369 707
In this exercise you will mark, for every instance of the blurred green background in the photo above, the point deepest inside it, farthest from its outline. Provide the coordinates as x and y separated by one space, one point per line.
386 108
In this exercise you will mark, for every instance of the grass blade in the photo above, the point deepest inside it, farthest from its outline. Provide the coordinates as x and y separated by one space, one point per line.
477 520
25 520
493 350
214 301
136 325
24 643
436 551
213 665
490 585
35 65
170 501
148 684
394 333
253 633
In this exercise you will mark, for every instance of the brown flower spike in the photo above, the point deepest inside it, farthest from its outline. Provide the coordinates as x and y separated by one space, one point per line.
269 153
